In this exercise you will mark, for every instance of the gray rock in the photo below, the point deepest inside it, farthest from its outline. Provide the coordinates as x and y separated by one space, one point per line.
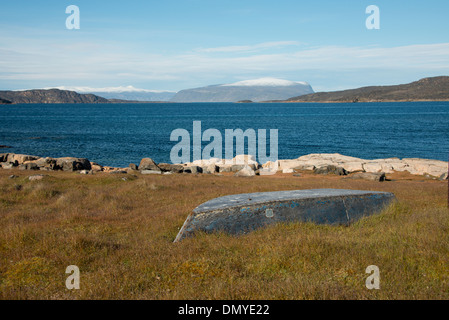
13 176
28 166
86 172
133 166
370 176
46 164
444 176
173 168
339 171
73 164
148 164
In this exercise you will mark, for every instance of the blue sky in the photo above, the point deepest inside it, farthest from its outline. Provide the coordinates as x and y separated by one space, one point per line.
179 44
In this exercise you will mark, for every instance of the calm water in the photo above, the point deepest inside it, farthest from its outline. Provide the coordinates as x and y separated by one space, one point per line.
119 134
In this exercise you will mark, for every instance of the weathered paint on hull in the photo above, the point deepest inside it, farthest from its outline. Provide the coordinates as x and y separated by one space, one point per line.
242 213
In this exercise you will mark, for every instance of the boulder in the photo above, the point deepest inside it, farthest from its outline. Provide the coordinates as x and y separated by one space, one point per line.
224 168
96 167
73 164
246 171
46 163
331 169
424 166
20 158
244 159
353 166
205 163
378 166
269 168
237 167
193 169
28 166
148 164
6 165
173 168
369 176
444 176
287 171
305 167
133 166
210 169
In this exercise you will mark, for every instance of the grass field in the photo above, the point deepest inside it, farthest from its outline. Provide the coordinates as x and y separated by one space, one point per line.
120 232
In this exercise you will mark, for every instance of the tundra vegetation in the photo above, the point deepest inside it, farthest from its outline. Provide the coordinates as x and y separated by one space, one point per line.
119 230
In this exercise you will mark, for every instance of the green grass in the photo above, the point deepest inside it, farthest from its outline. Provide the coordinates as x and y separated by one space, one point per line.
119 233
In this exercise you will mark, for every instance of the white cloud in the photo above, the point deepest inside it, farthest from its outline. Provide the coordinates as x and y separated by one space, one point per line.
249 48
108 67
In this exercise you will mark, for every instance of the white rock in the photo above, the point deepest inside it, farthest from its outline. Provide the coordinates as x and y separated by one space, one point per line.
247 171
353 166
150 172
36 177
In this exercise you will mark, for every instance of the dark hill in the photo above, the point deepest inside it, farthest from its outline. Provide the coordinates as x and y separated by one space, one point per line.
50 96
427 89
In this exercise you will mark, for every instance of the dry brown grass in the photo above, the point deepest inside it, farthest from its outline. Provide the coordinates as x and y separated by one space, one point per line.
119 233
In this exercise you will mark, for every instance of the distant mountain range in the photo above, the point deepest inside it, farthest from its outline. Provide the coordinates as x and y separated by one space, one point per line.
432 89
265 89
255 90
125 93
137 96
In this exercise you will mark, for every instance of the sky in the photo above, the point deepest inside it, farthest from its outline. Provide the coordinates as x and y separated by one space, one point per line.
179 44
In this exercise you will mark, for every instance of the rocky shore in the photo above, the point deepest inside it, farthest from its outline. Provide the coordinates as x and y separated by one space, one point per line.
241 165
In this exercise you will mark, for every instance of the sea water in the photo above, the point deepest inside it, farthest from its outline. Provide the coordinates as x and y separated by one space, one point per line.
119 134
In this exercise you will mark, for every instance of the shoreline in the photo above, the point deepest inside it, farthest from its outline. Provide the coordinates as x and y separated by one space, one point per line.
241 165
239 102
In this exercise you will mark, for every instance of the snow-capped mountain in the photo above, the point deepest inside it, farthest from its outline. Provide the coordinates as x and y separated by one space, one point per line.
256 90
265 82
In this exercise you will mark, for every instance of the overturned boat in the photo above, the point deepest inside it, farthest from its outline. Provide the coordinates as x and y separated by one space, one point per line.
242 213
